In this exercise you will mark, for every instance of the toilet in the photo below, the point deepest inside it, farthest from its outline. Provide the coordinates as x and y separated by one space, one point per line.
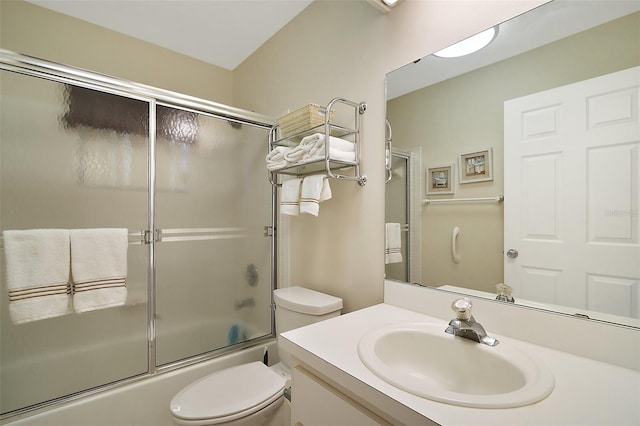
252 394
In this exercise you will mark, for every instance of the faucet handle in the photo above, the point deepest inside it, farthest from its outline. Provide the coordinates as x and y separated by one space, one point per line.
462 308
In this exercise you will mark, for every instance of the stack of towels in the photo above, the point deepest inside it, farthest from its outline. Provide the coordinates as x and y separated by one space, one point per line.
311 148
54 272
303 196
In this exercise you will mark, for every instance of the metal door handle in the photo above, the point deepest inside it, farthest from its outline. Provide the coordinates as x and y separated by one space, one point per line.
512 253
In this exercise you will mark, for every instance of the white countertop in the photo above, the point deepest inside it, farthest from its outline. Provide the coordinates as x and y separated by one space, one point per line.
587 392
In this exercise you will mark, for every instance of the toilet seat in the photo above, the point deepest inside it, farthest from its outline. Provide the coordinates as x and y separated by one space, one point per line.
228 394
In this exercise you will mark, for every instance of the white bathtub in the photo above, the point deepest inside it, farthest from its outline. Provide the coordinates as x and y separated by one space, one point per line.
144 402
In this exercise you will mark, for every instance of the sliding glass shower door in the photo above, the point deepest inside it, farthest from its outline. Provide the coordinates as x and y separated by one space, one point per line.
213 205
182 178
59 172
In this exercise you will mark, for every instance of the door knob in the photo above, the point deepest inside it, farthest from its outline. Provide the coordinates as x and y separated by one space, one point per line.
512 253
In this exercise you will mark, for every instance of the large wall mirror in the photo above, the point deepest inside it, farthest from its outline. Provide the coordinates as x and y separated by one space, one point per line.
514 171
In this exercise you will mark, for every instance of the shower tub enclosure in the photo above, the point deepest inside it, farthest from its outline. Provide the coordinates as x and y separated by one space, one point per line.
184 176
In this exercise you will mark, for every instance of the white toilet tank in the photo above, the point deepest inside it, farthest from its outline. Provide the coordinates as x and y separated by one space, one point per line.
298 306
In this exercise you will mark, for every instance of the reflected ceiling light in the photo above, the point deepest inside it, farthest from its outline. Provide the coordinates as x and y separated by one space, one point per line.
383 5
469 45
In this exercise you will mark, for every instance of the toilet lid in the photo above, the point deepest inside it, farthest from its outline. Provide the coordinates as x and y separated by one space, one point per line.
243 388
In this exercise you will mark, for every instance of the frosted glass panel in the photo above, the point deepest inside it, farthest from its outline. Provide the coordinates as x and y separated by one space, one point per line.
60 171
205 298
213 263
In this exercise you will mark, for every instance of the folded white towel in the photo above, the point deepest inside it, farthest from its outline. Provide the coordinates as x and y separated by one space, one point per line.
290 197
277 165
295 155
310 148
334 154
315 189
37 273
277 153
275 158
339 149
317 140
393 243
99 268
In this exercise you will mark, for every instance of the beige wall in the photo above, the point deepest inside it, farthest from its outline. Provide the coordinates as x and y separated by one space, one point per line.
464 114
345 48
35 31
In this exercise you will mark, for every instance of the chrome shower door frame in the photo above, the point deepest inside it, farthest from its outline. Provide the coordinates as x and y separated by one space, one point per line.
34 67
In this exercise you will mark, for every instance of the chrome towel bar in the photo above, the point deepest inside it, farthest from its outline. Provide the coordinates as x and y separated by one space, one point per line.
143 237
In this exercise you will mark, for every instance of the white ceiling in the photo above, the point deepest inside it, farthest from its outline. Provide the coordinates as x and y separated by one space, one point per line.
220 32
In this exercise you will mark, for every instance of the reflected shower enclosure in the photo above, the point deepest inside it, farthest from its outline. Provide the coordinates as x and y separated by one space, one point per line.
186 182
397 210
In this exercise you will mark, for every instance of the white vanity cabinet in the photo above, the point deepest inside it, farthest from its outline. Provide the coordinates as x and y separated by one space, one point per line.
316 403
332 386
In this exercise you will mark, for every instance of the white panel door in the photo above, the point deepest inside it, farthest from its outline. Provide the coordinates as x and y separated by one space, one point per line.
572 194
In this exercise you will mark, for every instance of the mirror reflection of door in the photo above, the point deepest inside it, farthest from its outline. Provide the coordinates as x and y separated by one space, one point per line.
397 212
572 189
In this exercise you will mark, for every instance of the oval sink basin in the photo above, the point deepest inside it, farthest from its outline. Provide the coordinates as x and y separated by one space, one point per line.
422 359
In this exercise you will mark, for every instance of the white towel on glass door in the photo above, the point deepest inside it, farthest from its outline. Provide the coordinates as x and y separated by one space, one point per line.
37 265
315 189
290 197
99 268
393 243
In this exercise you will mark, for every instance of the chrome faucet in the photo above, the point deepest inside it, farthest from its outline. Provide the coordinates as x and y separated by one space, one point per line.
464 325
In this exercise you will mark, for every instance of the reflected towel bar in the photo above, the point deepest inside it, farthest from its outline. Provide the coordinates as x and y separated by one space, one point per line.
497 198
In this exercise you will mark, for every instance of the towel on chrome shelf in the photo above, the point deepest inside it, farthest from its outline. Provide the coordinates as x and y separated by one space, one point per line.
334 154
295 155
339 149
393 243
275 158
315 142
290 197
99 267
315 189
37 265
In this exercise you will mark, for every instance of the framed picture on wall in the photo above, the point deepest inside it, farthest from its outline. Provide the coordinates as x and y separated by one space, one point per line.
440 179
476 166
